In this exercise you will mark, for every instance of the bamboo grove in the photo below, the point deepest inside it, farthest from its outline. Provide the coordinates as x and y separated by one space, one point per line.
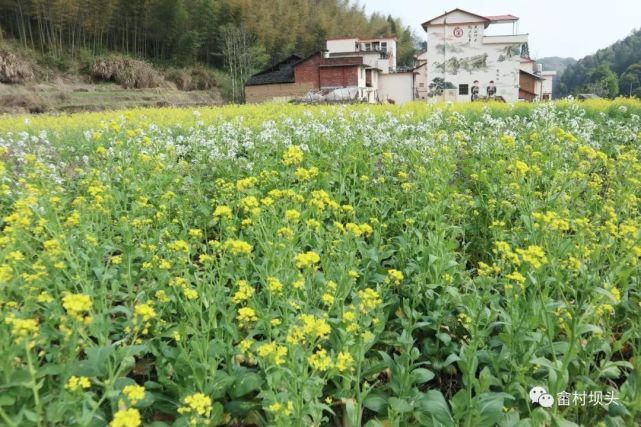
187 31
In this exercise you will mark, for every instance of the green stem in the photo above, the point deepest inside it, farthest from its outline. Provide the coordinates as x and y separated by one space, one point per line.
34 387
6 418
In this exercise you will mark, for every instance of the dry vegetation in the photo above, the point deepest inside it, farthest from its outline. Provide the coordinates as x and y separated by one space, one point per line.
33 84
14 69
196 78
127 72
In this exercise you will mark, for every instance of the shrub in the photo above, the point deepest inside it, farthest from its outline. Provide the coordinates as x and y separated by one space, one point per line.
129 73
180 78
195 78
203 78
14 69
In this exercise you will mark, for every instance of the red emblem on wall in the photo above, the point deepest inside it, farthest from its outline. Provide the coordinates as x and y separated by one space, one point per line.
458 32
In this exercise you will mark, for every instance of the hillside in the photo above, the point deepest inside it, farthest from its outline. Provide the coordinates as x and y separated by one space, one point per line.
235 37
556 63
29 82
612 71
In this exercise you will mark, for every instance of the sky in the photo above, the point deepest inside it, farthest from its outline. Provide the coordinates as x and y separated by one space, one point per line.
566 28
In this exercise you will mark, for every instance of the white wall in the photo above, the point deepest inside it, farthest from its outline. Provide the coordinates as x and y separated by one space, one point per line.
472 56
341 45
548 83
362 77
396 86
420 79
371 58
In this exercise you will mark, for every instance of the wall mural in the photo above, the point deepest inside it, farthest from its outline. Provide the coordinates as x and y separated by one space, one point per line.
510 52
438 85
454 65
451 48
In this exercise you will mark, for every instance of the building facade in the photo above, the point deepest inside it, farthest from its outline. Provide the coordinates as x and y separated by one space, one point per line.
547 85
295 77
463 61
350 69
420 80
377 53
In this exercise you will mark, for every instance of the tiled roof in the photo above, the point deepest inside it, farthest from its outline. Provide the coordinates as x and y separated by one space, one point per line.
281 72
536 76
502 18
426 23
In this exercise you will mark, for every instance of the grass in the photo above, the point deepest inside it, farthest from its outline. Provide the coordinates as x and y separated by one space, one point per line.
103 97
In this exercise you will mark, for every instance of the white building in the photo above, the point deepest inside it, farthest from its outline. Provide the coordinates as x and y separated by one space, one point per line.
461 55
377 53
548 84
381 78
397 88
420 82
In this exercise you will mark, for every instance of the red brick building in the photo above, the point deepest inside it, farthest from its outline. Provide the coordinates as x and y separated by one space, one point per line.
295 76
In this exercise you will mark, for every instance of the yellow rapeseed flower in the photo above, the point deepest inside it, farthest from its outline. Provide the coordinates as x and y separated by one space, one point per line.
394 276
246 315
369 300
223 212
274 352
344 362
307 259
126 418
320 361
134 393
145 312
75 383
238 247
196 403
293 156
77 305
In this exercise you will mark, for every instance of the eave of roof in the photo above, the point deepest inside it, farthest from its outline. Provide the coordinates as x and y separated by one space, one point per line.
502 18
483 18
280 72
532 74
363 39
355 53
347 64
269 79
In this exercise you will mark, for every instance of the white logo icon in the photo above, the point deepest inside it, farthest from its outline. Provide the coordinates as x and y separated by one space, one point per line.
542 397
546 400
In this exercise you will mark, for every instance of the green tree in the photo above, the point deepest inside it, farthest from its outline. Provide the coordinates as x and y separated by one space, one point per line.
618 57
243 57
603 82
630 80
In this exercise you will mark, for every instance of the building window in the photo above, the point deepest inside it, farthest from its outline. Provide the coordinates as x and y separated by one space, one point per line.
463 89
421 85
358 46
384 46
368 46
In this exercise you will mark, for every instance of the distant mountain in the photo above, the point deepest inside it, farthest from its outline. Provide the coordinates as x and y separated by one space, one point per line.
555 63
612 71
